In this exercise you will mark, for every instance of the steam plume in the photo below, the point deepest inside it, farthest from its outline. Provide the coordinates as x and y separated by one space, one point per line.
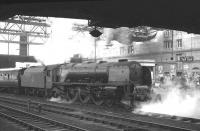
176 101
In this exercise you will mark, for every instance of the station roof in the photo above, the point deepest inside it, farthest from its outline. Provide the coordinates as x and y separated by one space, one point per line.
9 61
171 14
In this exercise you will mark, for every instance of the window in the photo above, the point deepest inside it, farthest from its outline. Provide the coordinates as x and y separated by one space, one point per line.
130 49
168 44
179 43
165 44
178 57
8 76
122 50
167 33
48 73
178 33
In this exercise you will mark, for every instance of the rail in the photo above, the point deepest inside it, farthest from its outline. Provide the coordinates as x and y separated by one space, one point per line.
33 121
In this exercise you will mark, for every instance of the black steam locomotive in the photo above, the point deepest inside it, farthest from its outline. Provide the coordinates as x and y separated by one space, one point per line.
103 82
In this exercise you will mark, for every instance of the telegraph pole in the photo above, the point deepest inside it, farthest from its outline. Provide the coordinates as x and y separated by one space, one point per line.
172 58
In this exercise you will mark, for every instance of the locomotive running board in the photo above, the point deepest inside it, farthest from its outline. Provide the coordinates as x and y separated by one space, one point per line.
91 84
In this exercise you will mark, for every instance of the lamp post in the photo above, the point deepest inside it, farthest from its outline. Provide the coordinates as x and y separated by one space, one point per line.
95 33
95 49
172 58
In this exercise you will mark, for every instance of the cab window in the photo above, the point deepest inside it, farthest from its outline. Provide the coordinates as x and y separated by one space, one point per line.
48 73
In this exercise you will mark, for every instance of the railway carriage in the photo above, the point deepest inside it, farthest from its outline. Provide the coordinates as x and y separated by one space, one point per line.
9 80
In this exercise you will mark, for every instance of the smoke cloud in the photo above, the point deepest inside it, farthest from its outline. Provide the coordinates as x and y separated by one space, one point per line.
175 100
127 36
122 35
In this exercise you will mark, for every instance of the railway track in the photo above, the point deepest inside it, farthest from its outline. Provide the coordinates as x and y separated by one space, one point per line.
29 121
117 121
173 117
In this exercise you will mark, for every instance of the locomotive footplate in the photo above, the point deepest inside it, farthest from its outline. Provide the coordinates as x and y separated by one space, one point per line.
115 84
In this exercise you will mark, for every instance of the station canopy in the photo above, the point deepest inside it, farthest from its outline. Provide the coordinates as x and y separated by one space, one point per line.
168 14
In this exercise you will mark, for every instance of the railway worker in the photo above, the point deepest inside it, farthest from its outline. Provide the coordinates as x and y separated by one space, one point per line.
167 78
183 83
173 77
198 80
162 79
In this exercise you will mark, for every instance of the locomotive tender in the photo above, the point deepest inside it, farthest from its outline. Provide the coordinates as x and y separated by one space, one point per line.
103 82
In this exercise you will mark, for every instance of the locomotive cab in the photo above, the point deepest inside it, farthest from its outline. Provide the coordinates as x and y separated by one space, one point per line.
142 90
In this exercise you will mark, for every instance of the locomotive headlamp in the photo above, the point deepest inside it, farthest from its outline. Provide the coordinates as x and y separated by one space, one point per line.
95 32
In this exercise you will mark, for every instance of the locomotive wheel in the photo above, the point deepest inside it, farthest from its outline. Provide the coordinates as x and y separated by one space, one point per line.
97 97
25 91
84 95
55 92
109 102
71 95
31 92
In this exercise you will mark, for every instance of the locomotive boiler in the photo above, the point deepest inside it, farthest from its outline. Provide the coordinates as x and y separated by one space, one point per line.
104 82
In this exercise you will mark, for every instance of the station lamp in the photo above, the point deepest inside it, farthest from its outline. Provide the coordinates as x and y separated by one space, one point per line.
95 32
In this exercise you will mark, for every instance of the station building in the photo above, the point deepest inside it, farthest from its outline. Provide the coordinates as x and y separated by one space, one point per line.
174 52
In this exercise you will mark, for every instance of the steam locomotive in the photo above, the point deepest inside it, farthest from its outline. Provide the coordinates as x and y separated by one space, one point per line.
103 82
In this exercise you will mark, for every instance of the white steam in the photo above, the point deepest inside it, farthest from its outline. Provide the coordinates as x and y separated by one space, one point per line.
175 100
58 100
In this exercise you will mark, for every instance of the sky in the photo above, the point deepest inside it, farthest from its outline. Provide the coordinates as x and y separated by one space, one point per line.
63 43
